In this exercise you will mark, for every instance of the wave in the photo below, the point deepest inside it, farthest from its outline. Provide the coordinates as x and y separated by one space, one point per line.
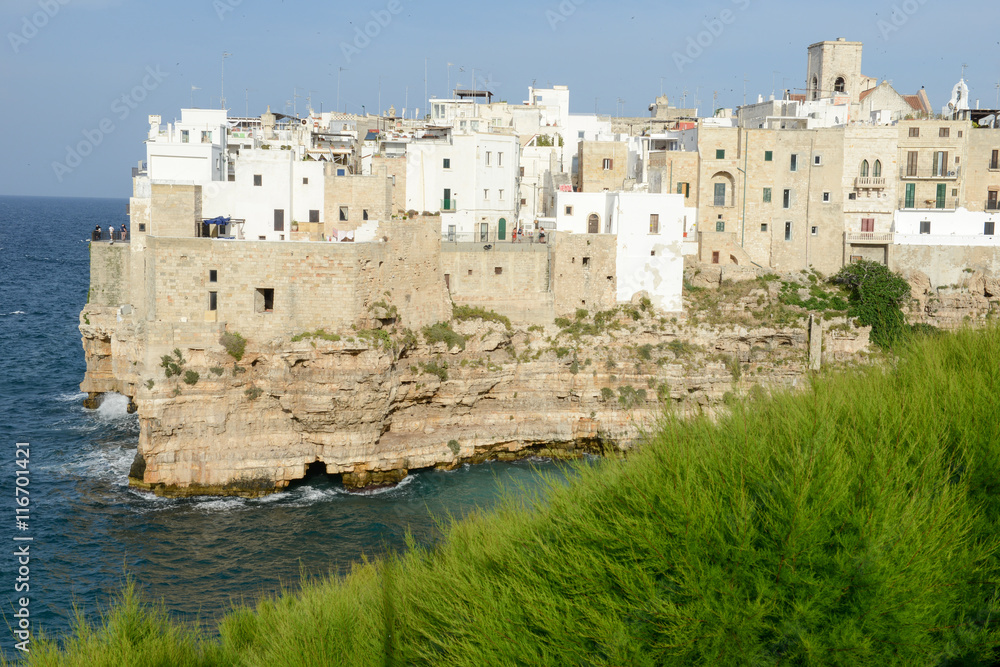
71 397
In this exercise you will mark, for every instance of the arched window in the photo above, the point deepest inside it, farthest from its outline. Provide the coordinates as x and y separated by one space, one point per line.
864 169
594 224
877 173
840 85
815 88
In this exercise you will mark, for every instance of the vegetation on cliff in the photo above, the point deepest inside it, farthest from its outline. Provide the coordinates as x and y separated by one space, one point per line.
855 523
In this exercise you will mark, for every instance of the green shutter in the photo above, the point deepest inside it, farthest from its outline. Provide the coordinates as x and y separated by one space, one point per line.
911 195
768 156
767 195
942 190
720 154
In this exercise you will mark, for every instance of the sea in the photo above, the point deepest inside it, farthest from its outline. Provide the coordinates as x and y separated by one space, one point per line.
86 530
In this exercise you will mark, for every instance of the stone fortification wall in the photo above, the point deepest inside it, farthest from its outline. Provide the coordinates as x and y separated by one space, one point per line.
945 265
583 272
177 208
359 194
511 279
110 267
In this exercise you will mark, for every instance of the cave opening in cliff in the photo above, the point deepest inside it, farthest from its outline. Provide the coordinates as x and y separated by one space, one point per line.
315 474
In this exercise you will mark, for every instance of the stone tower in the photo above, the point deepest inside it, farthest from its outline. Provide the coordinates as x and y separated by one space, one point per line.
835 69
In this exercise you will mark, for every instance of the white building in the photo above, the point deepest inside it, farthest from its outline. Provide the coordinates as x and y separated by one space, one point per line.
471 178
650 231
958 227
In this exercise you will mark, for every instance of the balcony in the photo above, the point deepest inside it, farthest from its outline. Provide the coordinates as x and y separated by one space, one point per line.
994 165
927 174
947 204
869 183
873 238
449 205
992 205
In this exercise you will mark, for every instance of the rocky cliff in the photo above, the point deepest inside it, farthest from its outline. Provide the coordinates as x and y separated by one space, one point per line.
373 404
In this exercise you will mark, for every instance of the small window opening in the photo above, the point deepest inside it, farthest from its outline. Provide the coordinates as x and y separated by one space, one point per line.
264 300
213 276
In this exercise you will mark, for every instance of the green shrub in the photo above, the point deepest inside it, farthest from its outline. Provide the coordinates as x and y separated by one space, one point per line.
318 334
630 397
234 343
462 313
217 370
443 333
191 378
253 393
432 368
172 365
607 393
645 352
454 447
877 295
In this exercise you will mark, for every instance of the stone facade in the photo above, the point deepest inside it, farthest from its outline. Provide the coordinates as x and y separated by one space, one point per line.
178 210
602 165
395 169
353 200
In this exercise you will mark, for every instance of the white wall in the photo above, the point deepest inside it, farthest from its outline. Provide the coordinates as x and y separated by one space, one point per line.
958 227
645 261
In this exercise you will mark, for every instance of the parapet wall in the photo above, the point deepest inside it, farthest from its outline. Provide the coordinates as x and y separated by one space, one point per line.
583 272
511 279
110 267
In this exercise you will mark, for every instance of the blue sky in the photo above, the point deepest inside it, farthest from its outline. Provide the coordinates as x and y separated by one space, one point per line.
95 69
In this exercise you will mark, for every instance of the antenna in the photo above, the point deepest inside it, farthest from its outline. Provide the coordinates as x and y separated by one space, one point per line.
222 96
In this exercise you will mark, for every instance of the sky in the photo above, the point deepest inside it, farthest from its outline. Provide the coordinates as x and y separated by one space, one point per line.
78 78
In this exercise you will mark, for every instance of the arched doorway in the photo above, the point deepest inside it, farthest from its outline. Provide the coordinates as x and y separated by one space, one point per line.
502 230
594 224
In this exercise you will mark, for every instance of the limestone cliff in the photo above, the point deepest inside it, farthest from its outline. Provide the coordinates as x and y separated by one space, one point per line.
371 405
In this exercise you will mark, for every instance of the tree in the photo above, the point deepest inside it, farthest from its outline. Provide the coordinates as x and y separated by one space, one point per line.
877 295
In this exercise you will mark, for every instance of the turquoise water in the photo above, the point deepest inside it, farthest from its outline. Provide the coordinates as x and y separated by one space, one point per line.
196 555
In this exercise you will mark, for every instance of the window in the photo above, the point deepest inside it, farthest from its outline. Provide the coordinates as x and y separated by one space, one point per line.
911 195
489 155
185 137
715 257
501 194
814 230
864 169
877 172
720 153
942 192
279 220
815 88
768 156
826 197
788 231
720 194
447 163
839 86
343 172
684 189
852 196
988 229
213 300
914 132
232 178
498 270
944 132
608 164
524 202
794 163
343 213
817 160
867 224
499 159
486 194
484 232
258 180
654 223
305 181
720 225
522 172
767 195
960 134
786 199
586 261
925 226
264 300
763 226
364 214
314 215
940 163
206 137
911 163
142 226
569 210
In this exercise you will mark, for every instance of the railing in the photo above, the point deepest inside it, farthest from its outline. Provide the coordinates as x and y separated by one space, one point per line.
994 165
926 173
870 182
928 204
104 236
870 237
449 205
992 205
490 238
